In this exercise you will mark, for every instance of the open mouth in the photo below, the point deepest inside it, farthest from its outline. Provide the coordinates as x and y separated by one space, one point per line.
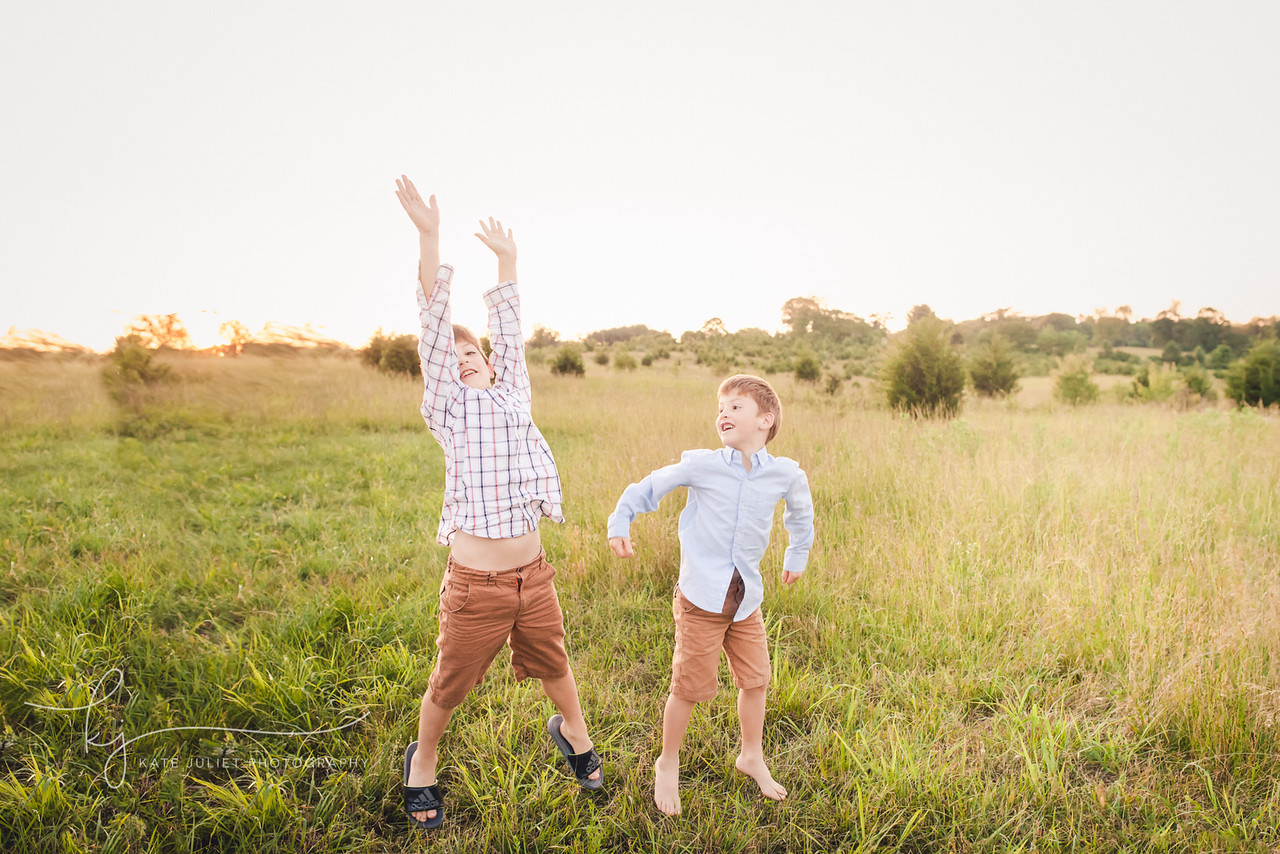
726 427
468 372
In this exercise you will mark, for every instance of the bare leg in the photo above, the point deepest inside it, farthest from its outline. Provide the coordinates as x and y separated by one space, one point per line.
564 693
751 760
422 768
666 768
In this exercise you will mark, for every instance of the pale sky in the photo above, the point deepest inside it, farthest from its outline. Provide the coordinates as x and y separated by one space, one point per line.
660 162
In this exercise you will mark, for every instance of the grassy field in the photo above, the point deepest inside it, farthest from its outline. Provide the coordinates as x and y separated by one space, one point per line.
1031 628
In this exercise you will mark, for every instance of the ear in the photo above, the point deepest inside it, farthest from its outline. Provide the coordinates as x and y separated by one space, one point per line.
766 420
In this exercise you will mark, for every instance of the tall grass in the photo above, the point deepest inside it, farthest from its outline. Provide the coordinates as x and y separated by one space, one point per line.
1023 629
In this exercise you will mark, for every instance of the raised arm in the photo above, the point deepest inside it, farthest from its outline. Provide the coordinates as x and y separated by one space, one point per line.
503 301
503 244
797 517
435 346
426 218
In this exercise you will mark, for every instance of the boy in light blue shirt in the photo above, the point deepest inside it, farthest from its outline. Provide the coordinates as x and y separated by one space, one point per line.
724 531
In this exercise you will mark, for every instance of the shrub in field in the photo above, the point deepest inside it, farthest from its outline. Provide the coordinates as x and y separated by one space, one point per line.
371 353
602 358
1255 379
924 375
808 369
392 354
1220 358
1172 353
1153 383
833 384
568 361
1197 382
624 361
130 376
131 367
1074 386
992 368
400 356
647 360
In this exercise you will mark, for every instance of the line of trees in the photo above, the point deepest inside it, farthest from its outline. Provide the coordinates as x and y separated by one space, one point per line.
924 369
927 368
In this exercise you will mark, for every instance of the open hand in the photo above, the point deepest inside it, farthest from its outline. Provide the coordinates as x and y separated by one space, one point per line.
503 243
621 546
425 215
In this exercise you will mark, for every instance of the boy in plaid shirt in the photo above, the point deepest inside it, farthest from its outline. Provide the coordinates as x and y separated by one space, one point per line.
500 481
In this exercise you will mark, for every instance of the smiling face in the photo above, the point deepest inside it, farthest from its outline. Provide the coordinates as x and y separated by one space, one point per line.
472 367
741 424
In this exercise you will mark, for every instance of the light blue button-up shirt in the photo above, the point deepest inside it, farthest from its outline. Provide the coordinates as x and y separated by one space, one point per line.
727 522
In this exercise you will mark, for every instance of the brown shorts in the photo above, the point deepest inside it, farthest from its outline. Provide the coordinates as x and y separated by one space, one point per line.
700 635
480 611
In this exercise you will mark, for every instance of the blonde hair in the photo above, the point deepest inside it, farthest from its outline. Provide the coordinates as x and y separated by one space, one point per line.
463 335
759 391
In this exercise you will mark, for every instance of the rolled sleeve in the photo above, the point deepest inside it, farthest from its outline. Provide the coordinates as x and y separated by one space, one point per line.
436 351
511 375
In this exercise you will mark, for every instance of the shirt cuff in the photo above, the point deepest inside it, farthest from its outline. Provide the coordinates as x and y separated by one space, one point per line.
444 275
618 527
795 563
500 293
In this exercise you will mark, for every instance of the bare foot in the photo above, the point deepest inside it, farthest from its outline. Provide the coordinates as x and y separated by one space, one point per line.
666 786
579 741
422 772
758 771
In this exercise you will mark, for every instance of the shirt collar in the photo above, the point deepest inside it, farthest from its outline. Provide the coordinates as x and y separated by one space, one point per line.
733 457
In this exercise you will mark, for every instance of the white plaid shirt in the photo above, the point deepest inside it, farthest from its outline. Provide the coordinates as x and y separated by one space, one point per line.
500 478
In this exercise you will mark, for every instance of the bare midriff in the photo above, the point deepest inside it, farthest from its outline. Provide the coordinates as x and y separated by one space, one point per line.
495 555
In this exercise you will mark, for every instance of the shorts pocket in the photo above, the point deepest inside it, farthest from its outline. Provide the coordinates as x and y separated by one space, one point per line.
454 596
